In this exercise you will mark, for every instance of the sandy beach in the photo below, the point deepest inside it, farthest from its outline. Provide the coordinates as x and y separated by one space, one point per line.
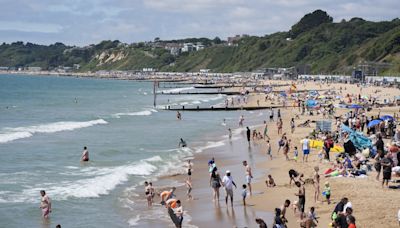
373 205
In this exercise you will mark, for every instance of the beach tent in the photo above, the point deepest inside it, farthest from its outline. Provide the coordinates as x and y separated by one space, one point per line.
387 117
374 123
359 140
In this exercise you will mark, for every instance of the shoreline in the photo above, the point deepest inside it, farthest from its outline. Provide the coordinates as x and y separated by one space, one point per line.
274 197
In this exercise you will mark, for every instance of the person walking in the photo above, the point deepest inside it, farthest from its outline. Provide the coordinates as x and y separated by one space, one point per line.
228 183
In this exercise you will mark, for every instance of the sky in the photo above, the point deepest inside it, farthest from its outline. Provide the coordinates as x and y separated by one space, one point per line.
84 22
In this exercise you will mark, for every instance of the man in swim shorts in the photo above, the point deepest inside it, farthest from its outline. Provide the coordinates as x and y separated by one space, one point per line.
249 175
306 148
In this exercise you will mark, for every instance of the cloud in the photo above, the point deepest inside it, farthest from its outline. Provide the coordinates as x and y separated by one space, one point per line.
79 22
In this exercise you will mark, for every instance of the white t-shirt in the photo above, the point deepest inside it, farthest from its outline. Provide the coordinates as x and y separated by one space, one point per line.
348 204
228 182
305 144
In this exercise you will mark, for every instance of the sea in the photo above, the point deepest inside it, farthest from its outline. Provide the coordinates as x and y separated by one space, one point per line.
45 121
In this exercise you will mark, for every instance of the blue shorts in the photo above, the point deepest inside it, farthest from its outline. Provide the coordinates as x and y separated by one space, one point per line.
306 152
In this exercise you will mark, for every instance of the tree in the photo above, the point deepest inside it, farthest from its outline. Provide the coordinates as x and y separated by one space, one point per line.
217 40
310 21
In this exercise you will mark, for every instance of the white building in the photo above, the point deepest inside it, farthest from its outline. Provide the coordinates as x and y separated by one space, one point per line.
188 47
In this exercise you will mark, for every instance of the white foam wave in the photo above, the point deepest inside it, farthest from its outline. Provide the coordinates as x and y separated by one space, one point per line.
154 159
175 90
134 221
11 134
102 181
140 113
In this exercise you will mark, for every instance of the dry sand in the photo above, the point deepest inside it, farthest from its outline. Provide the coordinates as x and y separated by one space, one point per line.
373 206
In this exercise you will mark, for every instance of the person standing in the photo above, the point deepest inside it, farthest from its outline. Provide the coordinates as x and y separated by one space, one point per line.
228 184
266 131
279 124
85 154
302 198
248 133
379 156
215 183
292 125
316 180
387 164
45 204
249 175
241 120
306 148
269 149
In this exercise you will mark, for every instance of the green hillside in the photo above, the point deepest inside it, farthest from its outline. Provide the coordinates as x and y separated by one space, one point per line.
325 46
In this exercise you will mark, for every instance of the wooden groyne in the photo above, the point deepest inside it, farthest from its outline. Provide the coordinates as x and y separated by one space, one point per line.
212 108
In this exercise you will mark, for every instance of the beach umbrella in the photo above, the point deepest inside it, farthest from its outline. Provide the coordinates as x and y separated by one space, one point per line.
364 97
387 117
374 123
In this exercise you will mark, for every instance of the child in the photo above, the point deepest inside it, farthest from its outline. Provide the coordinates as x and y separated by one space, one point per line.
244 194
189 189
296 154
269 149
312 216
327 192
270 182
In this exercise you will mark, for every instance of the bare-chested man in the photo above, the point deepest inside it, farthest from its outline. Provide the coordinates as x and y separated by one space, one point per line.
249 175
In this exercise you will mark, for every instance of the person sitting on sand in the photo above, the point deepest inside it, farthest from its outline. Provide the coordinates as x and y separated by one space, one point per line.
270 182
85 155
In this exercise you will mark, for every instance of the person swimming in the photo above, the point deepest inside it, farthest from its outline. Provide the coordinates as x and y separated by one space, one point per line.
182 143
85 155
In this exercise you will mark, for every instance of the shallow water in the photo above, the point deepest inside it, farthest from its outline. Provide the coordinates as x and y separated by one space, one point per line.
46 121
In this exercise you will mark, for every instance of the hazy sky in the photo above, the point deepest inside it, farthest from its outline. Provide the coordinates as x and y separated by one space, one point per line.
82 22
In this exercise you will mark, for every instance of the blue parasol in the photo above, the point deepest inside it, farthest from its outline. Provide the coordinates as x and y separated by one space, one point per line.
374 123
387 117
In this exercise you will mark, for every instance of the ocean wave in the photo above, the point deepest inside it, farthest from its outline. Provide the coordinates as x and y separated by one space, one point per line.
175 90
11 134
139 113
102 182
